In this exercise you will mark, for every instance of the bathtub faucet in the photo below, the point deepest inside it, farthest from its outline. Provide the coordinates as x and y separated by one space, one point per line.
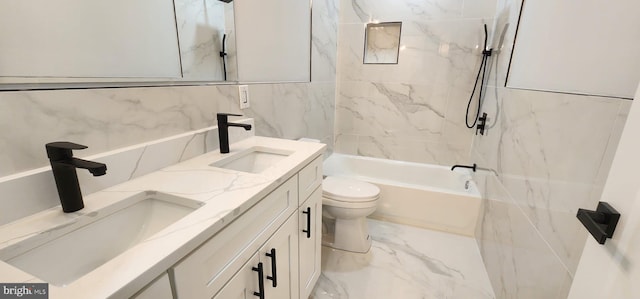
464 166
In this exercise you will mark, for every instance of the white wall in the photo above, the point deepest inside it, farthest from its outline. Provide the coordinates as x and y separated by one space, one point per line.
585 47
273 40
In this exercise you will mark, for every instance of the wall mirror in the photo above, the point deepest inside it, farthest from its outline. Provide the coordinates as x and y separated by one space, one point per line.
382 43
62 43
577 47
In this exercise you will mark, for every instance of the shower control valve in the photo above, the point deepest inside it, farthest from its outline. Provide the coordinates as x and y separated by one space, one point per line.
482 121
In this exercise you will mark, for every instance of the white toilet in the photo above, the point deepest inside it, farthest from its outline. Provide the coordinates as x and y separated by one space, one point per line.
346 203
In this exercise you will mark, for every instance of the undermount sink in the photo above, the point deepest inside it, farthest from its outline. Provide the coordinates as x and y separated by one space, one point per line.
63 254
254 160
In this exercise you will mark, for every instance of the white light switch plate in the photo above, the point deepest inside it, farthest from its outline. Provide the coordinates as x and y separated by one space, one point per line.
243 91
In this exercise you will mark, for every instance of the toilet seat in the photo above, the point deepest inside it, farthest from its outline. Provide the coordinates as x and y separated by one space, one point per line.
348 190
349 205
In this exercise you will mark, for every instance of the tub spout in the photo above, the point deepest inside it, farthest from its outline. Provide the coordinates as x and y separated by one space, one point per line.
473 167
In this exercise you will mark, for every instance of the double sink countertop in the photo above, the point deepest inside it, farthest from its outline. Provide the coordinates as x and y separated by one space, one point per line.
225 194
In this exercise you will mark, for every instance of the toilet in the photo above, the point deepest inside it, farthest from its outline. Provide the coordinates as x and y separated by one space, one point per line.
346 203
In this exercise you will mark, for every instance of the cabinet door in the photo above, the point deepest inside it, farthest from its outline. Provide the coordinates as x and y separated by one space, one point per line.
245 283
309 178
203 272
279 255
310 235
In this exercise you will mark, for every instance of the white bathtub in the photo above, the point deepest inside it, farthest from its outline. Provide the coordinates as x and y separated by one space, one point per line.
422 195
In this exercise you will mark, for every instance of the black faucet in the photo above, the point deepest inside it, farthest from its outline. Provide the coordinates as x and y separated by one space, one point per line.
464 166
223 130
64 167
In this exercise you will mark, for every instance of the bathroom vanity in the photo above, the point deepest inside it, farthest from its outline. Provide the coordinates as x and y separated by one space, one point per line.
240 225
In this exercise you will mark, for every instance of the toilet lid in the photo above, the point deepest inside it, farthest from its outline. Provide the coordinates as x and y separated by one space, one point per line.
344 189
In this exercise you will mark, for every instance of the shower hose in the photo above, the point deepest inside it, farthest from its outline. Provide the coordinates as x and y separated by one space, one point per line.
482 71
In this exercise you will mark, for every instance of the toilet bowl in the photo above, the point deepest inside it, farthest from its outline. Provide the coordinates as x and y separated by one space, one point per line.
346 203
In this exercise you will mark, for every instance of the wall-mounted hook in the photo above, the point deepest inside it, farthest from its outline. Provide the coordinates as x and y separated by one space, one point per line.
601 223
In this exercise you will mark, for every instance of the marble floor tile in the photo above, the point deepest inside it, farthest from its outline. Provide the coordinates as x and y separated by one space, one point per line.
405 262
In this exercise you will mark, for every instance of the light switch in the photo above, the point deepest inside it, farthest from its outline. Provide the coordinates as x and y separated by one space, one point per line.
243 91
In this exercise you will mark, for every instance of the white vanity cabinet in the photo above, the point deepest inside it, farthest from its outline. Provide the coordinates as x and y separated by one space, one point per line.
280 259
309 240
279 237
245 283
310 225
270 273
203 272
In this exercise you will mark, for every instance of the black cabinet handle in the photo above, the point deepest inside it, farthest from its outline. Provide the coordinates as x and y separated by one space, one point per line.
308 230
601 223
274 272
260 271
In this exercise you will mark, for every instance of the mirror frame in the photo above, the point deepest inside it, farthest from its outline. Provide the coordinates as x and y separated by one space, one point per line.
60 83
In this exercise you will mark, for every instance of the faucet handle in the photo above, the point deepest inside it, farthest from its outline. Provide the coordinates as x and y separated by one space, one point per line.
62 149
227 114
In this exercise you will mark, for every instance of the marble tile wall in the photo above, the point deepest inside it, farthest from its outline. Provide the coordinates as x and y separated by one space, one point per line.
114 118
549 154
413 110
107 119
34 190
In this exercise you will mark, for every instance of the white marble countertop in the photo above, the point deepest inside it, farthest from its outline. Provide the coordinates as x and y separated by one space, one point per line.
226 194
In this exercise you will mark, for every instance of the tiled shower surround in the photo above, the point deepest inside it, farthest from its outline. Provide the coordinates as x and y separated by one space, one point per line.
551 154
413 110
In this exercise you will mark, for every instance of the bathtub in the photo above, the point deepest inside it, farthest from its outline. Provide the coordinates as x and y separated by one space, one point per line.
422 195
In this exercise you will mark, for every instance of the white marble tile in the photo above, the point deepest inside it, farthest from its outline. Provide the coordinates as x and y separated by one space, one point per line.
405 262
438 61
548 156
548 135
108 119
446 52
379 109
324 40
363 11
518 261
612 146
479 9
502 38
320 112
279 109
551 160
102 119
402 149
551 208
346 144
35 191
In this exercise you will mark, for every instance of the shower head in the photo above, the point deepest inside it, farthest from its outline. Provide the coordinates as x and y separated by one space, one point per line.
226 1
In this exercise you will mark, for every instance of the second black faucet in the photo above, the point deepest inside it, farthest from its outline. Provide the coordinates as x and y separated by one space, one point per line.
223 130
